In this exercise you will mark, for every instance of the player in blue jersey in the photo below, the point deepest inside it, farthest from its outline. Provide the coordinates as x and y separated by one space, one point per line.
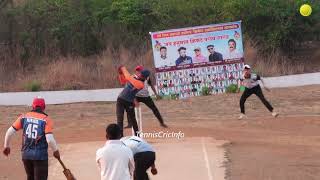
126 100
37 136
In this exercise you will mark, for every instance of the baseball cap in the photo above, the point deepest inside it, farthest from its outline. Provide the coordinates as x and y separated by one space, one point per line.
145 73
139 68
38 102
247 66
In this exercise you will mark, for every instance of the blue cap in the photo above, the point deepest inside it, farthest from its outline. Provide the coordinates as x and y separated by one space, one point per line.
145 73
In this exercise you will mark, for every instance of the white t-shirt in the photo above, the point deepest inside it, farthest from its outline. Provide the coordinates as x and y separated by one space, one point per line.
160 62
115 161
136 144
233 54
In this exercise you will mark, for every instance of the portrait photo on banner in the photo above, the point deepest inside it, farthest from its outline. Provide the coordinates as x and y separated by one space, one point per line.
189 60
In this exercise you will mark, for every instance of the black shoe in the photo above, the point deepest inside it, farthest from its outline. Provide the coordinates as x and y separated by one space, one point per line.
164 125
129 126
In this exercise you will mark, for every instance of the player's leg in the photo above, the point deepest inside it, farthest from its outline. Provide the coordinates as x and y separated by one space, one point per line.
139 173
129 124
143 161
29 168
41 170
258 92
120 114
246 94
132 117
150 104
150 158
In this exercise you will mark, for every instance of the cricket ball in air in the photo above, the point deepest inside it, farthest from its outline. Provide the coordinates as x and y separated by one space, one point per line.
305 10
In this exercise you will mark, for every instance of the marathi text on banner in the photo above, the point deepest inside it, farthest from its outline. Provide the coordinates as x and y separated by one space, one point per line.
189 59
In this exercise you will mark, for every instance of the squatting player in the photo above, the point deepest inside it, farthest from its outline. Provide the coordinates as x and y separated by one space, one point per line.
251 83
37 135
144 157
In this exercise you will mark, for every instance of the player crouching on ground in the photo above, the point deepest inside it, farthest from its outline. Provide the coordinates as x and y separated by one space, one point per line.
37 135
144 97
126 99
251 83
144 157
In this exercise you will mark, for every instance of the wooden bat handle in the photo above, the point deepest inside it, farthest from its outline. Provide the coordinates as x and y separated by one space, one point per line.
62 164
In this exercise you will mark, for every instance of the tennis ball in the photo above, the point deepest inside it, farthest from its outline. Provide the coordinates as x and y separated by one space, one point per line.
305 10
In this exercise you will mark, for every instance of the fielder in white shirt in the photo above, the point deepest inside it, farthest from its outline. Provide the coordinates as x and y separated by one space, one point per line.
115 159
144 157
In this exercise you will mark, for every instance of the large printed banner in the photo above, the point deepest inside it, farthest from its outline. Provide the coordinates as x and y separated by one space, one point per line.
189 60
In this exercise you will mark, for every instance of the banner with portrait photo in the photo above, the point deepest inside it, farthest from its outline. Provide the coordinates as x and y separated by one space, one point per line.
189 59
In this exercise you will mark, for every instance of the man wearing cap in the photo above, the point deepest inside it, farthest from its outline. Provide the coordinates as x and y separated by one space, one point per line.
126 99
214 56
37 136
144 97
144 157
199 58
251 83
183 59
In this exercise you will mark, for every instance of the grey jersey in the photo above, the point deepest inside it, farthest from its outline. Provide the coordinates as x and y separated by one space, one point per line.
145 92
251 82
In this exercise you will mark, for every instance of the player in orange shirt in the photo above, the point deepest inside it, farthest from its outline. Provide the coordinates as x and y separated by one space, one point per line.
126 100
37 136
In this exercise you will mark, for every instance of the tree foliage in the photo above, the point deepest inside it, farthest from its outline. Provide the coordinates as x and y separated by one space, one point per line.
85 27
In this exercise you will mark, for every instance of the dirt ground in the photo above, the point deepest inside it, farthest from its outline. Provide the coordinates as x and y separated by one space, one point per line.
261 147
201 158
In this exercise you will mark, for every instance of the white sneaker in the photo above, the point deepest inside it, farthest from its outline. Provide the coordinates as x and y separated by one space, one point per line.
275 114
242 116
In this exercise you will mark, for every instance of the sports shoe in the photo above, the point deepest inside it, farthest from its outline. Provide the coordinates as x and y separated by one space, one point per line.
242 116
275 114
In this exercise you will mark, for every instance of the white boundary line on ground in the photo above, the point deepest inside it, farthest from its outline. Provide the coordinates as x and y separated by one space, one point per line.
205 154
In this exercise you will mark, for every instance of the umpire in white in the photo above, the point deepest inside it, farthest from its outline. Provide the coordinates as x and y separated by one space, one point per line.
144 156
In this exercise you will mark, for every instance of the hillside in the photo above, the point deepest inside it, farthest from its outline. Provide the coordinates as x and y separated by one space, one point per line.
77 44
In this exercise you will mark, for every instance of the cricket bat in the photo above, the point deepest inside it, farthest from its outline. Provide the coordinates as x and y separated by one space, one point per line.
66 171
137 111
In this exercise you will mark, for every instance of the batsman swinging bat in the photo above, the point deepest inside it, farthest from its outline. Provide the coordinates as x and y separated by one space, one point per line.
66 171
